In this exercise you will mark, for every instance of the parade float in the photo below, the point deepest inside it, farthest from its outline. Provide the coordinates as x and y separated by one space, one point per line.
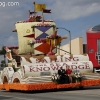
33 65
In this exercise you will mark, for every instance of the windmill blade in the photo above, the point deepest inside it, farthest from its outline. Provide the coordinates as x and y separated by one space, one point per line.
64 37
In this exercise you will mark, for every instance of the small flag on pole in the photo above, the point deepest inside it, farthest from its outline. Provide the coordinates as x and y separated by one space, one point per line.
46 11
40 7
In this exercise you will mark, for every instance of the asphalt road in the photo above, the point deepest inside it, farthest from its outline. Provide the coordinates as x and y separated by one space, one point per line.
90 93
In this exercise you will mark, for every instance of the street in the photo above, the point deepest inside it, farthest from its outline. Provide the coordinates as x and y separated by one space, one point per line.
88 93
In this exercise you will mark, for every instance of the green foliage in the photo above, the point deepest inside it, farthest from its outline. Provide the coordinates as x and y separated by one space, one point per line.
3 52
15 69
31 44
9 61
2 63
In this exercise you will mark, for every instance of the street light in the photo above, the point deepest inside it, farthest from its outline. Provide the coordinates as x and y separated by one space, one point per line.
69 35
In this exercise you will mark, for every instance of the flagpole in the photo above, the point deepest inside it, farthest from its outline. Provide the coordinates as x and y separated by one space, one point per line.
29 13
34 10
42 17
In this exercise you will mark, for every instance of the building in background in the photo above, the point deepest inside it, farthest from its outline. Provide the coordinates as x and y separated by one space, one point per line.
93 45
76 47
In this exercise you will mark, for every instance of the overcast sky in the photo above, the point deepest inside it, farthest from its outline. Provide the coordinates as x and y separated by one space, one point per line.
74 15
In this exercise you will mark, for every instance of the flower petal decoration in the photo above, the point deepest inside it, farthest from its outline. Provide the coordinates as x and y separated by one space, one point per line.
48 86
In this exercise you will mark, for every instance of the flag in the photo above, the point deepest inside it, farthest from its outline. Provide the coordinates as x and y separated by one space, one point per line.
32 13
46 11
40 7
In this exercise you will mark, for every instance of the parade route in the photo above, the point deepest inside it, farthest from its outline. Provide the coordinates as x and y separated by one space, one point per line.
90 93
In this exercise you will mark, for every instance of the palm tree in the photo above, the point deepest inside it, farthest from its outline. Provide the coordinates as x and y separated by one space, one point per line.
3 52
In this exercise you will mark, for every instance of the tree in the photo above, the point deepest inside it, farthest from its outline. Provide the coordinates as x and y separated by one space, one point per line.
2 63
3 52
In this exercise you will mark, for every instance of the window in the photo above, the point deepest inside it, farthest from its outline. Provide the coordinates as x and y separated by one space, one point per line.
98 45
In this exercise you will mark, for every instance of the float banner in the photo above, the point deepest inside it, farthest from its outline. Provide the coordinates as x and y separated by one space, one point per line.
47 69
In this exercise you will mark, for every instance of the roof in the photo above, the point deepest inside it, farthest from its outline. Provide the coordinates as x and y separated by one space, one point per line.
96 28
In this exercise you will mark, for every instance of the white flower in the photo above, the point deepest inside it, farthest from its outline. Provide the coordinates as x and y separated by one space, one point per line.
52 77
55 77
31 41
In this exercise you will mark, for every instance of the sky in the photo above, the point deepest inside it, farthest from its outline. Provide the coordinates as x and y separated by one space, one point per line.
74 15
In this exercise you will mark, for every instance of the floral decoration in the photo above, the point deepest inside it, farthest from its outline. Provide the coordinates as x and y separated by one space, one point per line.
32 42
45 86
77 77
